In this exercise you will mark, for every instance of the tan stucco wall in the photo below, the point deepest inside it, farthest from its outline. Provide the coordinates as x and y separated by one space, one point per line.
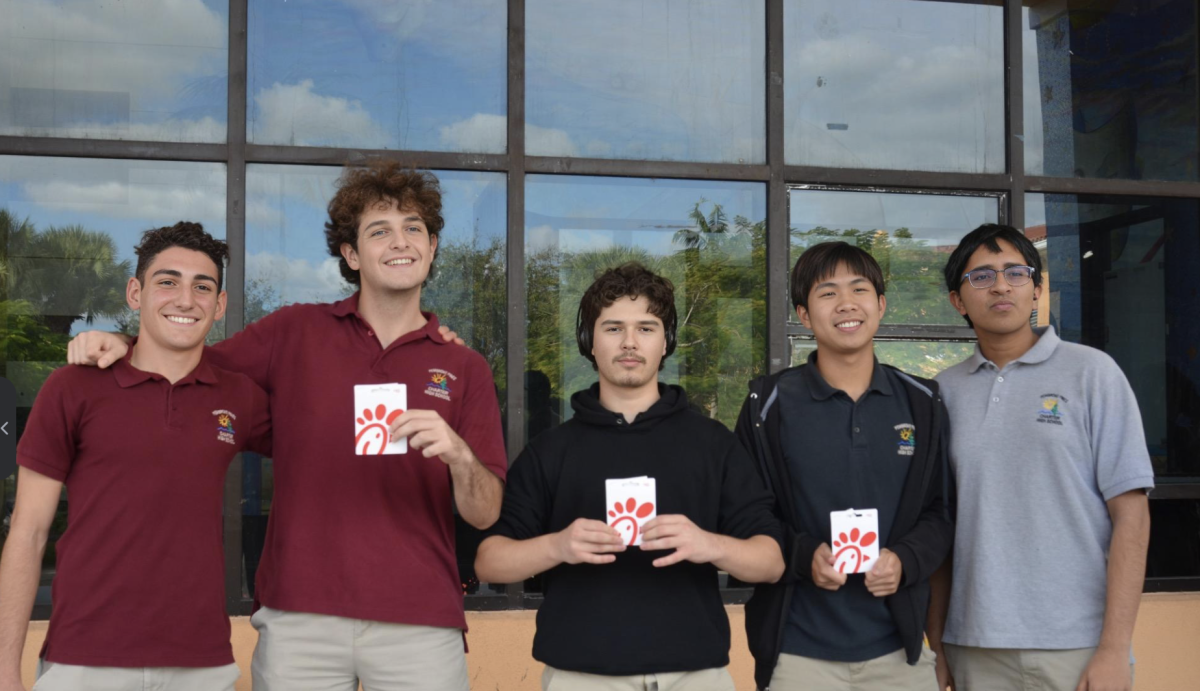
1166 643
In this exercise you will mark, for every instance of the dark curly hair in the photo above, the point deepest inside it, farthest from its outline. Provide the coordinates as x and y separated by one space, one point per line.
185 234
630 280
361 187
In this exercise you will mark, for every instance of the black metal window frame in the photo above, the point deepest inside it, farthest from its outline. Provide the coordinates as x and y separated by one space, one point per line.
236 153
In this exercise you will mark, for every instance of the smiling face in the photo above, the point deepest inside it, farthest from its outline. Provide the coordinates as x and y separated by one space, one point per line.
179 301
395 250
843 312
1000 309
628 343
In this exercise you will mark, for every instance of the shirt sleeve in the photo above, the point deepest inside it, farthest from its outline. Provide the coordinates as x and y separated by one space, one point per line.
479 416
250 350
1118 440
746 505
50 440
525 512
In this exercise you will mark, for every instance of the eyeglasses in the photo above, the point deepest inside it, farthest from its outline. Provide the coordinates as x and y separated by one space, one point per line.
1015 276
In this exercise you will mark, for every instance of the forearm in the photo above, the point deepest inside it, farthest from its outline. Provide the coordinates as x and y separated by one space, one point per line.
939 604
477 492
505 560
20 570
755 560
1126 575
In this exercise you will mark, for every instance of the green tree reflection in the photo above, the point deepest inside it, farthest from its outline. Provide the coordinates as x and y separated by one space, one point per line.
65 273
718 266
912 273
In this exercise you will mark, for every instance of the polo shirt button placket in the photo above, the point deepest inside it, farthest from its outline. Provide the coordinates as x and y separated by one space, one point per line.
170 404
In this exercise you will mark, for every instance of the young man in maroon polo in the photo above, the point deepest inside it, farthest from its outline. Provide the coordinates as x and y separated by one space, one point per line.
139 592
358 580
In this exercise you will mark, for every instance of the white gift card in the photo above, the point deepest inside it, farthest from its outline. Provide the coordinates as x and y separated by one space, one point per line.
376 406
631 502
855 539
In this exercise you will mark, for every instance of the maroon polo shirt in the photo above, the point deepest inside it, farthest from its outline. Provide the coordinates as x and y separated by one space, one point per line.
140 578
364 537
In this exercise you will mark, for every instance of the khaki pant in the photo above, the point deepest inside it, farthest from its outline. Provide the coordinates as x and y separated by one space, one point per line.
889 672
297 651
713 679
53 676
1004 669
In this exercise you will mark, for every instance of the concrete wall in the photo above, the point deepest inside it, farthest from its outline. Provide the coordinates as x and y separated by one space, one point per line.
1166 644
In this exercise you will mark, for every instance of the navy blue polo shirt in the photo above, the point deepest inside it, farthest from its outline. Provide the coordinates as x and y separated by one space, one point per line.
843 454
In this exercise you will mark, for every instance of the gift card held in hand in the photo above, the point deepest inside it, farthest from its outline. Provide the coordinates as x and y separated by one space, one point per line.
631 502
376 406
855 539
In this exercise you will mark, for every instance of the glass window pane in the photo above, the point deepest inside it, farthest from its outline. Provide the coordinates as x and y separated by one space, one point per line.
910 235
1174 539
287 262
67 232
681 80
922 358
884 84
707 237
416 75
1120 276
140 71
1110 89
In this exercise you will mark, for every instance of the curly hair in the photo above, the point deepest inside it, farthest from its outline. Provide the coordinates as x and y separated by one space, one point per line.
630 280
380 180
185 234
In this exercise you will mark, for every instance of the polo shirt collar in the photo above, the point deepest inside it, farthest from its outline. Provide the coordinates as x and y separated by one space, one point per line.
128 376
1041 351
821 390
344 308
349 307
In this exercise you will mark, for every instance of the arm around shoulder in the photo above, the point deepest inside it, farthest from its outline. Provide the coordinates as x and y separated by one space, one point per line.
97 348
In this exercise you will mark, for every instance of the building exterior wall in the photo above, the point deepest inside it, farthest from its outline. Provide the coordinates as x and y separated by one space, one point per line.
1165 644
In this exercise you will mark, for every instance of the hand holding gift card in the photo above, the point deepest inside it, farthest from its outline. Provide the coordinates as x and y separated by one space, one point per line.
376 406
855 539
631 502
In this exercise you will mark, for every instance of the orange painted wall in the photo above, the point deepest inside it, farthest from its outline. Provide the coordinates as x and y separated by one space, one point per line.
1165 643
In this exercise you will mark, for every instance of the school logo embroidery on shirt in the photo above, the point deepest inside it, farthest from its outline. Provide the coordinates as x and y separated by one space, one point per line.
1051 411
439 384
908 439
225 426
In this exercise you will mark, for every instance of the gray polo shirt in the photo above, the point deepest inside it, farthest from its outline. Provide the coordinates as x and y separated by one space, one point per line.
1037 448
843 454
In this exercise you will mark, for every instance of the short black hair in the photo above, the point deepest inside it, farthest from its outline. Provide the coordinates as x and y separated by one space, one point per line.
821 261
988 235
190 236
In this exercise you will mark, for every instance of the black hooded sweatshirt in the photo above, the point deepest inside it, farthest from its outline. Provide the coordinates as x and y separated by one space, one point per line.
629 617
